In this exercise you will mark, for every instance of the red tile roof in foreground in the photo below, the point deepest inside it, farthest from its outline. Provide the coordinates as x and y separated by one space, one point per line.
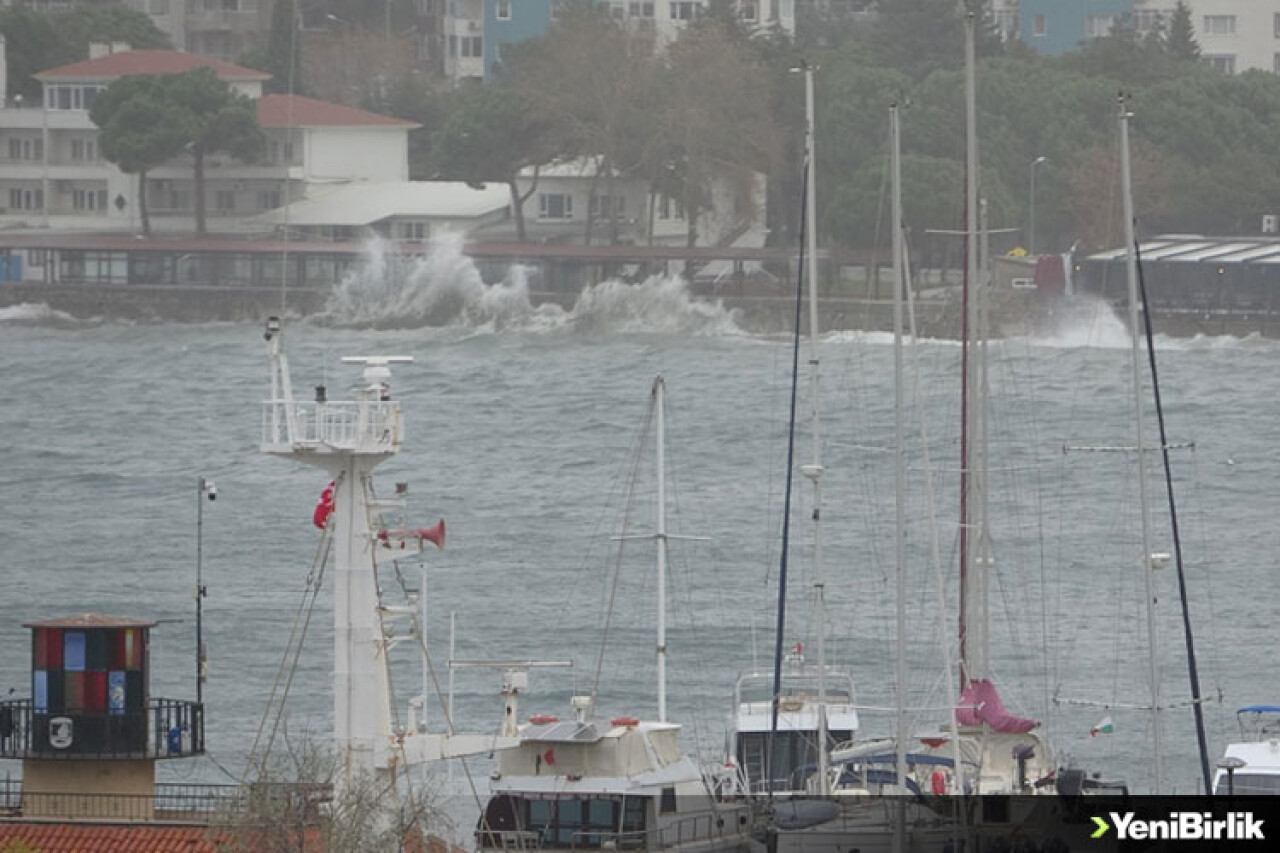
297 111
115 65
149 838
90 838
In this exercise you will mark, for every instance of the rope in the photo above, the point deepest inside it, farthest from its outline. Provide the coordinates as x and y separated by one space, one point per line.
302 619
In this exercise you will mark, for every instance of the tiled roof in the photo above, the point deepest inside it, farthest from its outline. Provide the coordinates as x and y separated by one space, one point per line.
53 837
115 65
90 620
90 838
297 111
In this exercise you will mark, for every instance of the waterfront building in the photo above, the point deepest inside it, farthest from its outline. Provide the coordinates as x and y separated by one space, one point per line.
52 174
1234 35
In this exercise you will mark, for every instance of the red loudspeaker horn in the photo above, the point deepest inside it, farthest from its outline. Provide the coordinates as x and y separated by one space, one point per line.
434 533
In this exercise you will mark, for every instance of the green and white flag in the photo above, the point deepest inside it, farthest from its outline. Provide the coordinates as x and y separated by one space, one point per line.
1104 727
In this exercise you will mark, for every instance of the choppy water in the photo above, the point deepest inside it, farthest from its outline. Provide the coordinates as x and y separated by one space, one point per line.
521 423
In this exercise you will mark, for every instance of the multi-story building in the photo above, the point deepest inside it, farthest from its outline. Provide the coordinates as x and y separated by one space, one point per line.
52 173
1234 35
475 31
220 28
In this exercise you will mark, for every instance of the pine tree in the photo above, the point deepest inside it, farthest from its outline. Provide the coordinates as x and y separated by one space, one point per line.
1180 42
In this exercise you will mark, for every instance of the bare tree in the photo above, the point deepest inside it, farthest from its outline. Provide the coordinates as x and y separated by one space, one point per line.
300 803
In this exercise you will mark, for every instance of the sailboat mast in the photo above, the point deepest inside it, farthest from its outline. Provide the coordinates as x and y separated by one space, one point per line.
899 469
659 396
1131 270
814 470
972 663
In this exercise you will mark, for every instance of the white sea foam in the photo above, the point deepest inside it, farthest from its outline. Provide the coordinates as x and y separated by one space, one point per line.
445 289
35 314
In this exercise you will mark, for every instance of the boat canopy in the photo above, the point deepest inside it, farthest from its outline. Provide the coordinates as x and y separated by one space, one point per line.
1259 709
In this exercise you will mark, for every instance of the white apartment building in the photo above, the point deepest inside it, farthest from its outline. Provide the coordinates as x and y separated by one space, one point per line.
220 28
52 174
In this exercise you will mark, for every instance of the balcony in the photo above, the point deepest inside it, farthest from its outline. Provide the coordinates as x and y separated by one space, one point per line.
165 728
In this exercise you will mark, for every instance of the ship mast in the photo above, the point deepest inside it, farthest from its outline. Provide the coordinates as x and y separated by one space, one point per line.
813 471
1131 271
348 439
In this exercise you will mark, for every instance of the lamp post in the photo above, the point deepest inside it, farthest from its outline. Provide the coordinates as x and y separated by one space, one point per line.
204 489
1031 226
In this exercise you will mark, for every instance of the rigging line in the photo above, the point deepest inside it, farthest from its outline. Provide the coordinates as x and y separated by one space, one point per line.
293 667
636 453
786 503
311 589
1192 671
931 499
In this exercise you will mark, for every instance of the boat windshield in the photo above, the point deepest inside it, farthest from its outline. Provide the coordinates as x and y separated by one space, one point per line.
795 757
1248 784
570 822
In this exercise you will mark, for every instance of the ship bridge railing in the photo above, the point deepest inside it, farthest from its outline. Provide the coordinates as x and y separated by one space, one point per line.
360 426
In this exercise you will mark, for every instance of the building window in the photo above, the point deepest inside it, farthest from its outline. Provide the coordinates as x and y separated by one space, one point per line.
416 231
89 199
684 10
670 208
84 150
1097 26
555 9
1275 64
555 206
641 10
268 199
747 10
225 200
472 46
1219 25
1225 63
1276 25
608 206
26 148
26 199
1039 27
503 12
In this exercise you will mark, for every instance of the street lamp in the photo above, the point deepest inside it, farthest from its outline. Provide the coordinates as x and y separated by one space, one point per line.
204 489
1031 226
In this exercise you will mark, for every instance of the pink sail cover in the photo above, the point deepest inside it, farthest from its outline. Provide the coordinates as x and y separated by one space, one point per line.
980 703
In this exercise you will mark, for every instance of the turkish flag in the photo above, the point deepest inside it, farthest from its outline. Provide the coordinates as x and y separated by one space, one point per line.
549 756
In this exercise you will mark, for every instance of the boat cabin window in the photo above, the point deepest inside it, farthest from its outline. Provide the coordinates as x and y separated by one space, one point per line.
589 822
795 758
1249 784
668 804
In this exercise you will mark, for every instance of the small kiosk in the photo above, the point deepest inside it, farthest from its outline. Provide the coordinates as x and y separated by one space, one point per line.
91 729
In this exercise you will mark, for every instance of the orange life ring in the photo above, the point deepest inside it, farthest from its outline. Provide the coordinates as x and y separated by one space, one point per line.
625 721
543 719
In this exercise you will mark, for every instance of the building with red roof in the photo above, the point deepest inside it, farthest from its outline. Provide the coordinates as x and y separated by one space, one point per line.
55 177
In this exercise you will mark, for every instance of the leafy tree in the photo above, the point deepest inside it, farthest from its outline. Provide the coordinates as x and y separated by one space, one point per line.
217 118
491 136
595 82
718 128
141 129
921 36
281 54
1181 41
37 41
